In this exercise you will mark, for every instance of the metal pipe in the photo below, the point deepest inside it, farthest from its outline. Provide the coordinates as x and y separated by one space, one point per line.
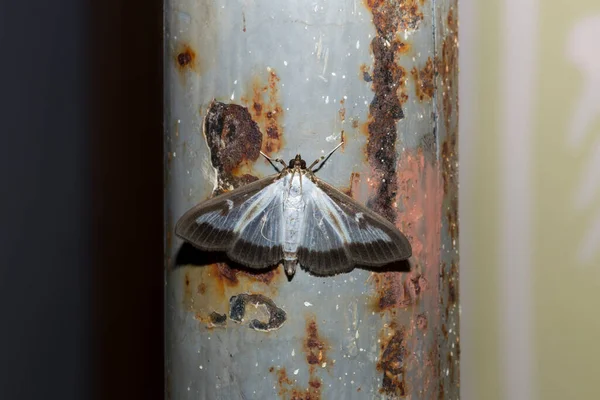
292 77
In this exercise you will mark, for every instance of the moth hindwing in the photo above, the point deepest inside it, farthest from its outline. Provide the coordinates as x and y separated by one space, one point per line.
293 217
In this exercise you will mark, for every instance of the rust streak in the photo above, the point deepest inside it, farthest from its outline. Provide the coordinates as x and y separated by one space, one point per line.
388 85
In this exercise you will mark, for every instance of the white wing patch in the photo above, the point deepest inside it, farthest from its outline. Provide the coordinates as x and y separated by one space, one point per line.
256 220
327 220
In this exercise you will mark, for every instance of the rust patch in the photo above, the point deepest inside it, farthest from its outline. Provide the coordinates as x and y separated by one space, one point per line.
390 16
392 363
452 216
266 110
395 292
202 288
452 289
186 58
234 139
238 308
342 111
449 163
228 274
422 322
265 277
287 389
355 123
424 80
314 346
365 73
353 186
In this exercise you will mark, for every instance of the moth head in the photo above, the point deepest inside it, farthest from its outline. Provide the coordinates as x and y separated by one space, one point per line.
290 267
297 162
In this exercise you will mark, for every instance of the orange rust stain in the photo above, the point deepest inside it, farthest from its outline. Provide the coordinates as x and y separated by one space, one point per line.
354 183
422 322
227 274
202 288
355 123
342 111
185 58
314 346
264 105
209 288
424 81
365 73
287 388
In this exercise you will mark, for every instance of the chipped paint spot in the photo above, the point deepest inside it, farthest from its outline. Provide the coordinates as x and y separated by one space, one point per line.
239 310
217 319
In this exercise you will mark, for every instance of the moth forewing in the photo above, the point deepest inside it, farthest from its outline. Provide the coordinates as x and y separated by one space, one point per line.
210 225
369 232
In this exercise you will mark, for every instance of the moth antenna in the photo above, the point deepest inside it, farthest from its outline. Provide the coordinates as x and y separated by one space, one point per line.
273 161
324 158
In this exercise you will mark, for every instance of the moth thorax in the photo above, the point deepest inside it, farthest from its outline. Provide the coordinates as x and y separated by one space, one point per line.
290 267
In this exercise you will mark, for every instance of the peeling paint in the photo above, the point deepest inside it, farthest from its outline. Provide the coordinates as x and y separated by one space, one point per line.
239 310
234 139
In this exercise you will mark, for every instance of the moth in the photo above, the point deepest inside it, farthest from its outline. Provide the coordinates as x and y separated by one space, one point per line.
294 217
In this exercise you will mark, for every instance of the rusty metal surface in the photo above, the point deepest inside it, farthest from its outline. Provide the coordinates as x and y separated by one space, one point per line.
293 78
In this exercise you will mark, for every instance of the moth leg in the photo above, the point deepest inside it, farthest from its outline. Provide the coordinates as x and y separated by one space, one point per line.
273 161
324 158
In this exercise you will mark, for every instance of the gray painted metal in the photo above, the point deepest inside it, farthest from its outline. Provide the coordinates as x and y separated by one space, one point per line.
353 336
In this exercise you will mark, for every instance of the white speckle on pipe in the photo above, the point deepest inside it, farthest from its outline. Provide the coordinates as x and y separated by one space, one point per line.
296 372
307 304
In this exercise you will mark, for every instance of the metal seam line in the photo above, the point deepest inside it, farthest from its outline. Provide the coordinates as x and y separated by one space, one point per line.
519 29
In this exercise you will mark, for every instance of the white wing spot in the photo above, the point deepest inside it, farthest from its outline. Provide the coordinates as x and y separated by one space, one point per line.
359 217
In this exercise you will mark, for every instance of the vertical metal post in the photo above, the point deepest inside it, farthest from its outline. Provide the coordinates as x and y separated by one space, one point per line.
293 77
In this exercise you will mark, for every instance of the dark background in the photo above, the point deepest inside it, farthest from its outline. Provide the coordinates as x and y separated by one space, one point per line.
81 232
